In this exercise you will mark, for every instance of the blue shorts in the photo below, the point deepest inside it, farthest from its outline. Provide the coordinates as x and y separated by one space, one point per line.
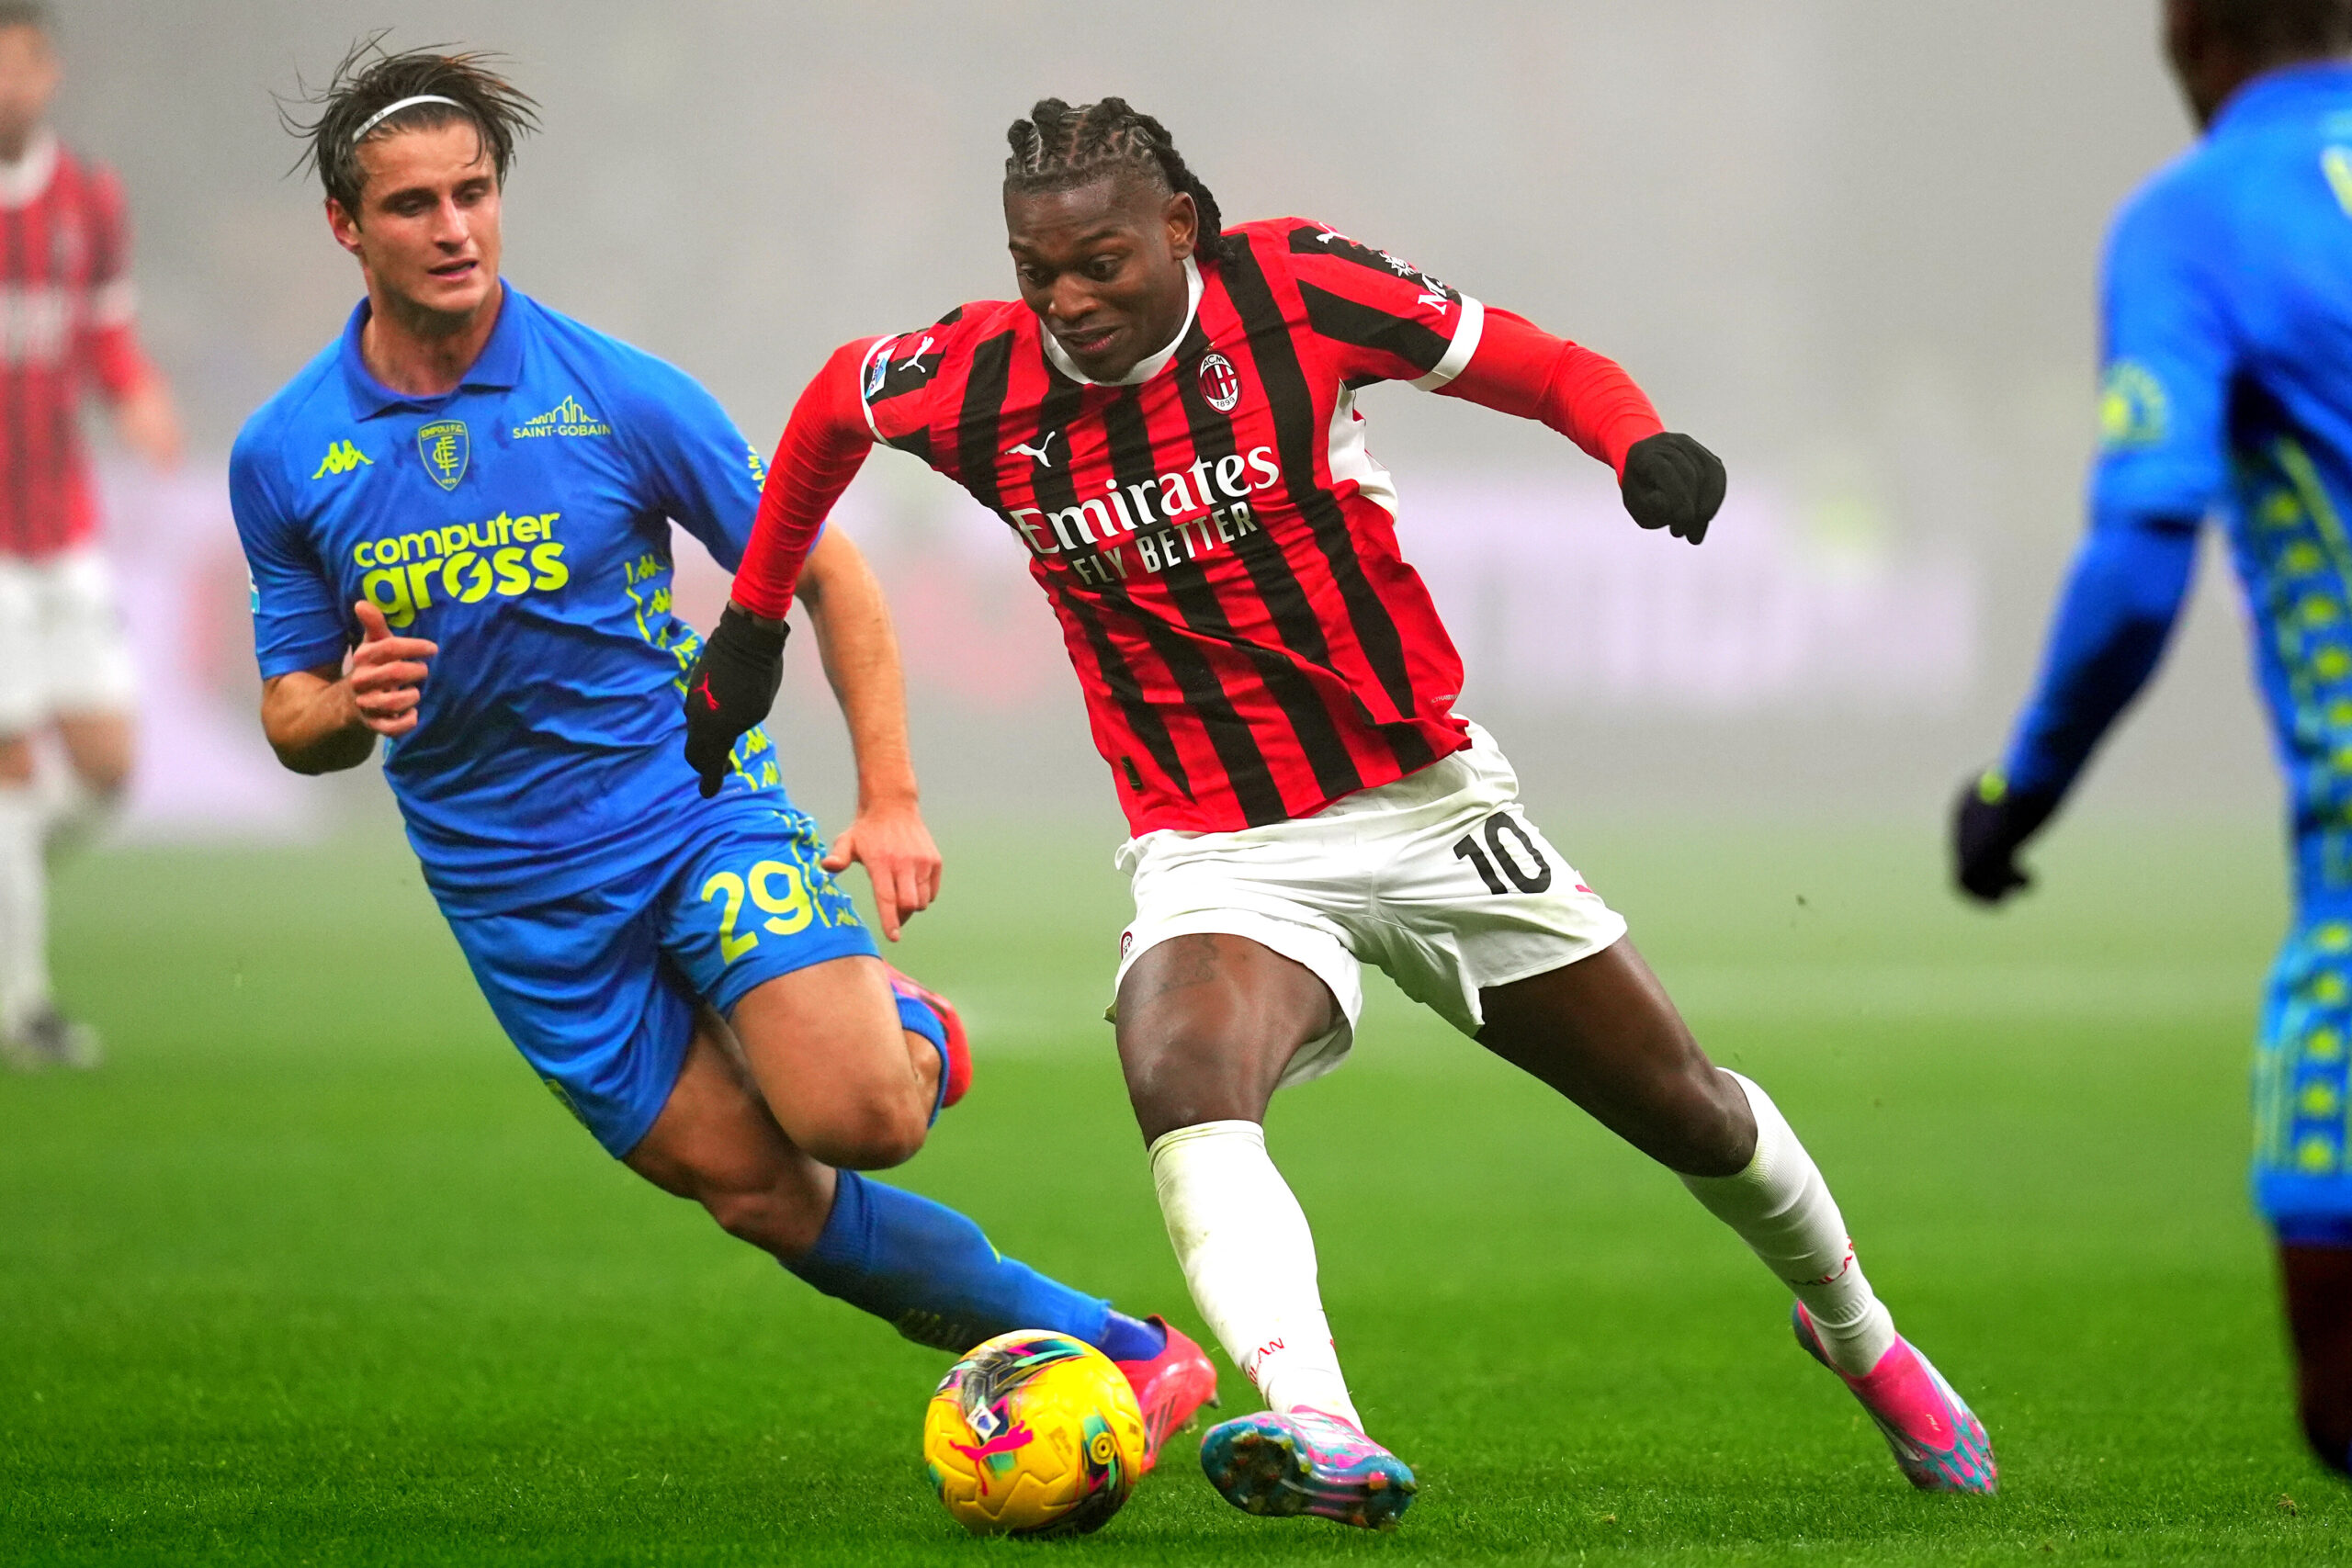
598 990
2302 1181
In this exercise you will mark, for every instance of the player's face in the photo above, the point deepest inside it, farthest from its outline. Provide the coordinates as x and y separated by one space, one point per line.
426 233
28 76
1103 265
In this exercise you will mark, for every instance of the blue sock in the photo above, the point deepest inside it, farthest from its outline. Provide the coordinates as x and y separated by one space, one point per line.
928 1271
1128 1338
916 1016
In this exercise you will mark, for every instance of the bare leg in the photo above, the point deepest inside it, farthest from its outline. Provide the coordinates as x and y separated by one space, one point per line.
716 1143
843 1079
1603 1033
2318 1282
1206 1026
99 748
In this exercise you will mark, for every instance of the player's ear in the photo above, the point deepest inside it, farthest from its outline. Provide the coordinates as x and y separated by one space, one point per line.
343 225
1183 221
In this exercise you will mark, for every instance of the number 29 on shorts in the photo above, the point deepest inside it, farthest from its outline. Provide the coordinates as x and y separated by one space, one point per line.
773 886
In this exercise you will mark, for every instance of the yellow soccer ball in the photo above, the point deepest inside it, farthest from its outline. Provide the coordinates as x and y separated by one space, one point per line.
1033 1434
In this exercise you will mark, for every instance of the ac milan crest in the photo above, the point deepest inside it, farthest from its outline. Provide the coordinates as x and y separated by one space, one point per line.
1220 383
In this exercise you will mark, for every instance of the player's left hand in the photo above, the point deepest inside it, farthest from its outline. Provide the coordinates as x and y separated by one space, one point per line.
900 859
730 689
1674 483
1989 824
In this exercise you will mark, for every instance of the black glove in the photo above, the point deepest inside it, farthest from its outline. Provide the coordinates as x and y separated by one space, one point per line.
1989 823
730 689
1672 482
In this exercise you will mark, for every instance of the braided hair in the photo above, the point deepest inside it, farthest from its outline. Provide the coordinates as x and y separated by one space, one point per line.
1060 146
348 112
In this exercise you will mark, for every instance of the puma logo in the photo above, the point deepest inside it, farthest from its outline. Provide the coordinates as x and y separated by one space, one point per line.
1041 453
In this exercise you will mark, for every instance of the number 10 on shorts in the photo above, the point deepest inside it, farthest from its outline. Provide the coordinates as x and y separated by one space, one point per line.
1507 842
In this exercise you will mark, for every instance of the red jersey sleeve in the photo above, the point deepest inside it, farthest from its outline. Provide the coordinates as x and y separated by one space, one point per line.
824 445
1382 317
1522 369
895 382
110 343
1385 320
873 390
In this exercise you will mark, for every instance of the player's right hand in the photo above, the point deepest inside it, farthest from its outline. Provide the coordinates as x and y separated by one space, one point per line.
730 688
386 674
1672 482
1989 824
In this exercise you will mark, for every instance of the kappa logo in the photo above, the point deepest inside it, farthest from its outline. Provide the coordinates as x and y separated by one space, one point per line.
1220 383
567 418
446 447
341 458
1041 453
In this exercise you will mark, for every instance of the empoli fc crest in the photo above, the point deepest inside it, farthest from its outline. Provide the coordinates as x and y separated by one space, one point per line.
444 447
2133 409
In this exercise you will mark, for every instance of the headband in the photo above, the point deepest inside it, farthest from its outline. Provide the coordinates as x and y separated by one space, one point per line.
381 115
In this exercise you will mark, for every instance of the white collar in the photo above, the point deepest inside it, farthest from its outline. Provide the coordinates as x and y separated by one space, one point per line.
22 182
1145 369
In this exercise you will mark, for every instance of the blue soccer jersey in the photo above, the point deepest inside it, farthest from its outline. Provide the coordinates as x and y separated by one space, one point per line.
522 523
2227 389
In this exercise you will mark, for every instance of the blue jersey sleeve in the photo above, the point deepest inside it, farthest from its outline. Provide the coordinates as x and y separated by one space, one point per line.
698 466
2121 598
2169 354
298 619
2163 463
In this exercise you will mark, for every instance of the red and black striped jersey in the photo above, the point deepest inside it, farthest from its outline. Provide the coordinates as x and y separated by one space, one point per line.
1218 543
66 321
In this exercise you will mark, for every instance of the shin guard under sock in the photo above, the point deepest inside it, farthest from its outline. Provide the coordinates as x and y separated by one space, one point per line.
931 1274
1782 1210
1249 1259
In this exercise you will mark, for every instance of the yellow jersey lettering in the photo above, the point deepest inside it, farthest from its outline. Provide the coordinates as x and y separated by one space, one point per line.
790 911
386 589
731 946
512 579
475 590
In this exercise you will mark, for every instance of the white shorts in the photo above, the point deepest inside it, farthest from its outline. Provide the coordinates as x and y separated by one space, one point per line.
61 644
1438 879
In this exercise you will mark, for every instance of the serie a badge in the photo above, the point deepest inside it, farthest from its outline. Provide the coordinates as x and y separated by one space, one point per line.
444 447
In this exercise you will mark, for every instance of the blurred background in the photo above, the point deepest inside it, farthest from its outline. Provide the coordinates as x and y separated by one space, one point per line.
1850 246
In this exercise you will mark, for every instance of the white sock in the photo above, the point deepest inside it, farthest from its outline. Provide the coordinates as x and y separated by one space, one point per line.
1249 1259
24 909
1782 1210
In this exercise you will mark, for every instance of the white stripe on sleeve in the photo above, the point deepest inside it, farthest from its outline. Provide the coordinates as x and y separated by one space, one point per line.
1458 352
865 379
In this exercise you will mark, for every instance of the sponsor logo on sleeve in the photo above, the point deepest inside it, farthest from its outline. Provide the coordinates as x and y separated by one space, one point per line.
2133 412
446 447
342 458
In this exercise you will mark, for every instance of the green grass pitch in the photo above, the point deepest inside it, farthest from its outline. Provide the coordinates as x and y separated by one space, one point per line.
315 1272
